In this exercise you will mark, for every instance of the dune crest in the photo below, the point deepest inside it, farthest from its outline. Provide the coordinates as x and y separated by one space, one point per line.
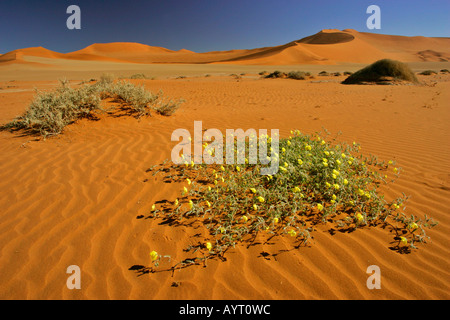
328 46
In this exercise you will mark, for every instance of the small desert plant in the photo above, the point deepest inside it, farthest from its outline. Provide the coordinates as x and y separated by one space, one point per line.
348 73
323 73
276 74
336 74
380 71
445 71
319 181
136 97
50 112
138 76
298 75
427 72
106 78
263 73
167 108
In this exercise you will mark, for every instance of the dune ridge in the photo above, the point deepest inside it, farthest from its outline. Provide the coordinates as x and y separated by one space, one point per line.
325 47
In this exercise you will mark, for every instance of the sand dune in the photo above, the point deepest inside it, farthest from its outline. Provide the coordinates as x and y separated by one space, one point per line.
76 198
326 47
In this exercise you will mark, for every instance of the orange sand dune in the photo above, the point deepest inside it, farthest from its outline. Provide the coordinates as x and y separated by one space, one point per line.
326 47
334 46
76 199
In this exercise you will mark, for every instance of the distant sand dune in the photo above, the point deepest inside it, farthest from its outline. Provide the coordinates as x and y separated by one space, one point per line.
325 47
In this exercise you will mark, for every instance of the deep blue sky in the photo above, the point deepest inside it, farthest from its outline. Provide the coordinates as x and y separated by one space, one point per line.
207 25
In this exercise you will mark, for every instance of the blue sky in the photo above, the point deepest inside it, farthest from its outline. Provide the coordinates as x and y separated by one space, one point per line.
207 25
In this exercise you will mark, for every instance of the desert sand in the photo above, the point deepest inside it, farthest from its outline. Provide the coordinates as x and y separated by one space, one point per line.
76 199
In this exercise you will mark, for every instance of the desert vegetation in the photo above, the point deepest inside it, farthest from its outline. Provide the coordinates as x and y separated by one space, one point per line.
50 112
382 71
320 182
427 72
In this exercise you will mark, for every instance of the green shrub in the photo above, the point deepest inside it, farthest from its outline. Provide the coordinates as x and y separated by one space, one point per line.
380 71
318 182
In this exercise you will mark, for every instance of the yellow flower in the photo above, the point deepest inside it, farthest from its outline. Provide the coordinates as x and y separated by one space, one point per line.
335 172
319 207
215 182
188 181
192 163
191 204
185 190
338 162
222 168
283 150
334 176
300 162
351 202
324 160
223 180
283 169
296 189
153 207
326 153
322 142
390 162
153 255
403 240
336 186
222 230
176 202
359 217
395 170
412 226
333 197
255 207
327 184
208 204
345 182
292 233
238 168
343 155
275 220
308 147
286 164
360 192
209 246
325 164
253 190
289 142
244 218
260 199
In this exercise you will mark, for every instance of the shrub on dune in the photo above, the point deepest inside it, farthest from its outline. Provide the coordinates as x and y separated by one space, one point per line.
50 112
382 71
